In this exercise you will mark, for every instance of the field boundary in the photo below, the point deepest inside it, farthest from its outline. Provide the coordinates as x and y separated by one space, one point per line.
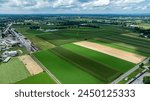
46 70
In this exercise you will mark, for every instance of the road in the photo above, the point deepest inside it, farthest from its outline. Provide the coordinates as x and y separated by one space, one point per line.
26 43
23 41
47 71
7 28
128 73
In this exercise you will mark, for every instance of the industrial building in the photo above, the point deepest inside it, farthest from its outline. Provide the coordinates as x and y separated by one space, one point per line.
10 38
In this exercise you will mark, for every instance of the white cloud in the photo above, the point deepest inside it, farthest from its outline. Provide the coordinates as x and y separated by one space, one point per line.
65 3
73 5
132 1
95 3
126 2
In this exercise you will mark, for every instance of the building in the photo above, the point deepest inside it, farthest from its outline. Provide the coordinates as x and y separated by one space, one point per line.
6 59
9 53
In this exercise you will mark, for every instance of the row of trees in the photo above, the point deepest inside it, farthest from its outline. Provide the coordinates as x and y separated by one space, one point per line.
142 30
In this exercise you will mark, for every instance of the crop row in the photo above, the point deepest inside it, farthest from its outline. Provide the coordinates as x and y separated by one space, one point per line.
96 69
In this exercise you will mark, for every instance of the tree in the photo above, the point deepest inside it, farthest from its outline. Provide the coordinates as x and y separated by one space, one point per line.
141 65
146 80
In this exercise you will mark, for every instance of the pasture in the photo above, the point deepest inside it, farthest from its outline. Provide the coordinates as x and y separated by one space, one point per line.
13 71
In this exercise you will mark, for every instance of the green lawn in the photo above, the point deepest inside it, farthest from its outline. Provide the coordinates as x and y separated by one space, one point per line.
13 71
66 72
112 62
42 78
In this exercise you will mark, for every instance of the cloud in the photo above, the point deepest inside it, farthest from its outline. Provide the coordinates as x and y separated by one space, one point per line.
132 1
126 2
73 5
95 3
64 3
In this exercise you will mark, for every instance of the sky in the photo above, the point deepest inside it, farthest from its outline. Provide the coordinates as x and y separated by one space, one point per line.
74 6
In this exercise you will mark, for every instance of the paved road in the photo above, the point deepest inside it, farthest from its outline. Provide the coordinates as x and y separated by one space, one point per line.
23 41
128 73
7 28
140 79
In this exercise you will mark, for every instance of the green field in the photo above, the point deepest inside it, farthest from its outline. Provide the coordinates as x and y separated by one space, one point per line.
109 35
92 67
64 71
112 62
115 34
133 45
13 71
144 25
42 78
40 43
120 45
99 70
68 35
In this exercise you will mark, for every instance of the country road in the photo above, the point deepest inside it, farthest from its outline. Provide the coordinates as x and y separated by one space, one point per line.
128 73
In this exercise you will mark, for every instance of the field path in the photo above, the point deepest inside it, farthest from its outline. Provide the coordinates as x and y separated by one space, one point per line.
131 57
31 65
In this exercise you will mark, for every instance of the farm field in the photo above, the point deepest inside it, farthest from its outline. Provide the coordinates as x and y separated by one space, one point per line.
144 25
65 72
31 65
127 56
42 78
131 44
32 35
113 62
92 67
68 35
108 35
40 43
13 71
